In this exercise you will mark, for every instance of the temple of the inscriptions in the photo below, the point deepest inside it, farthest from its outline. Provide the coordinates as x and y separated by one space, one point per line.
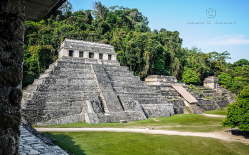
87 84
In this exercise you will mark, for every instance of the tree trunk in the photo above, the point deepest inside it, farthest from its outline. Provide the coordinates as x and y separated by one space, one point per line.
11 56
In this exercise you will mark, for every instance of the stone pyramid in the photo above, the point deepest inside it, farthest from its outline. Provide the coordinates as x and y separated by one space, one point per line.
88 84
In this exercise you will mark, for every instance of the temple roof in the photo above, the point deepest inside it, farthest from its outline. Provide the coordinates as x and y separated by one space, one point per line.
41 8
87 46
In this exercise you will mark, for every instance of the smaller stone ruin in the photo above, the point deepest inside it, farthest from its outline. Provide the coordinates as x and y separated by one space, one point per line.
190 99
211 82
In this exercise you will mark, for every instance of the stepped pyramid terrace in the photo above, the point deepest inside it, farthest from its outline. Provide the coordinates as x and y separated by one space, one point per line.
88 84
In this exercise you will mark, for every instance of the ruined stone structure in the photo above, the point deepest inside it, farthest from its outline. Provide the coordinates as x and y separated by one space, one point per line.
211 82
88 84
12 16
188 99
164 85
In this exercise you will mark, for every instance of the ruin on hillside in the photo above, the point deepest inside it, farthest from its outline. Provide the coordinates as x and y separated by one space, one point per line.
88 84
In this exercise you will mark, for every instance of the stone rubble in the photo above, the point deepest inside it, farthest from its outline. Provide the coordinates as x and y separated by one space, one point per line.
32 143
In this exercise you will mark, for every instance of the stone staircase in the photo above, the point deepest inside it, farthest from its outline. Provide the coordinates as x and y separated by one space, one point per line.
136 96
164 85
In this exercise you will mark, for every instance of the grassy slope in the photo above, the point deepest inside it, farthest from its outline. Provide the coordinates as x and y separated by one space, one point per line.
218 111
183 122
105 143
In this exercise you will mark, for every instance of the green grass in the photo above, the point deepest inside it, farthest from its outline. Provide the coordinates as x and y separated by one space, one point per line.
183 122
105 143
222 111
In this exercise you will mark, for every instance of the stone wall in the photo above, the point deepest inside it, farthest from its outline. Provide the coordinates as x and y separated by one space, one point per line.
34 143
11 55
12 16
211 82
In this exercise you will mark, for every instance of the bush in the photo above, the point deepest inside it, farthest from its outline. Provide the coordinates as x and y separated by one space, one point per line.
238 112
225 80
191 77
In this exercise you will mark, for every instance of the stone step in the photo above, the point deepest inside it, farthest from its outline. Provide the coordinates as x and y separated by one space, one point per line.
68 87
134 89
143 98
79 82
123 74
116 68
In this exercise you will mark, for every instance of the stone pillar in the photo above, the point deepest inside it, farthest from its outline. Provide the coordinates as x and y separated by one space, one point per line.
105 56
96 55
76 53
86 54
11 56
114 57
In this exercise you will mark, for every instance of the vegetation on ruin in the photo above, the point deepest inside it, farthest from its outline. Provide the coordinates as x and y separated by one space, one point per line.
103 143
181 122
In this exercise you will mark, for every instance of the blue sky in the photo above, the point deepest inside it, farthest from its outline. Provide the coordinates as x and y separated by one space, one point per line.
211 25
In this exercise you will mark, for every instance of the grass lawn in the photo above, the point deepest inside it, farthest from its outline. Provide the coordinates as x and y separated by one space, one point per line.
222 111
105 143
182 122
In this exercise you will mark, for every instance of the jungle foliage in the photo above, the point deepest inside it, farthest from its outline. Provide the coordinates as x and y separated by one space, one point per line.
238 112
143 50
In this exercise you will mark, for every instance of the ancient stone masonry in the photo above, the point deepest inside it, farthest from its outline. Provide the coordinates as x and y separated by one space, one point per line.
211 82
34 143
210 99
12 15
189 99
87 84
164 84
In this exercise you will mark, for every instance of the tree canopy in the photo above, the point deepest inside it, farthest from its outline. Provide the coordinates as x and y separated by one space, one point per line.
238 112
143 50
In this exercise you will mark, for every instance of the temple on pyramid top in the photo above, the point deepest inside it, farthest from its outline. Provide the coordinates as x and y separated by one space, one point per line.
89 50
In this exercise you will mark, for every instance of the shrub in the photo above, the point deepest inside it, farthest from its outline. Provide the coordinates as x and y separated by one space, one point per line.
238 112
191 77
225 80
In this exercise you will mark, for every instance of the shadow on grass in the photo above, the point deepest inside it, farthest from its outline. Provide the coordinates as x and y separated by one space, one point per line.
66 143
237 132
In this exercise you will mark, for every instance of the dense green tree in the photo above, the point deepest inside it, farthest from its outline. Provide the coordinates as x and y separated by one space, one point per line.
238 112
241 62
190 76
235 76
218 61
144 51
37 59
225 80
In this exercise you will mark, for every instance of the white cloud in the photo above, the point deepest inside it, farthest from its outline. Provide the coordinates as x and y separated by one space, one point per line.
229 40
